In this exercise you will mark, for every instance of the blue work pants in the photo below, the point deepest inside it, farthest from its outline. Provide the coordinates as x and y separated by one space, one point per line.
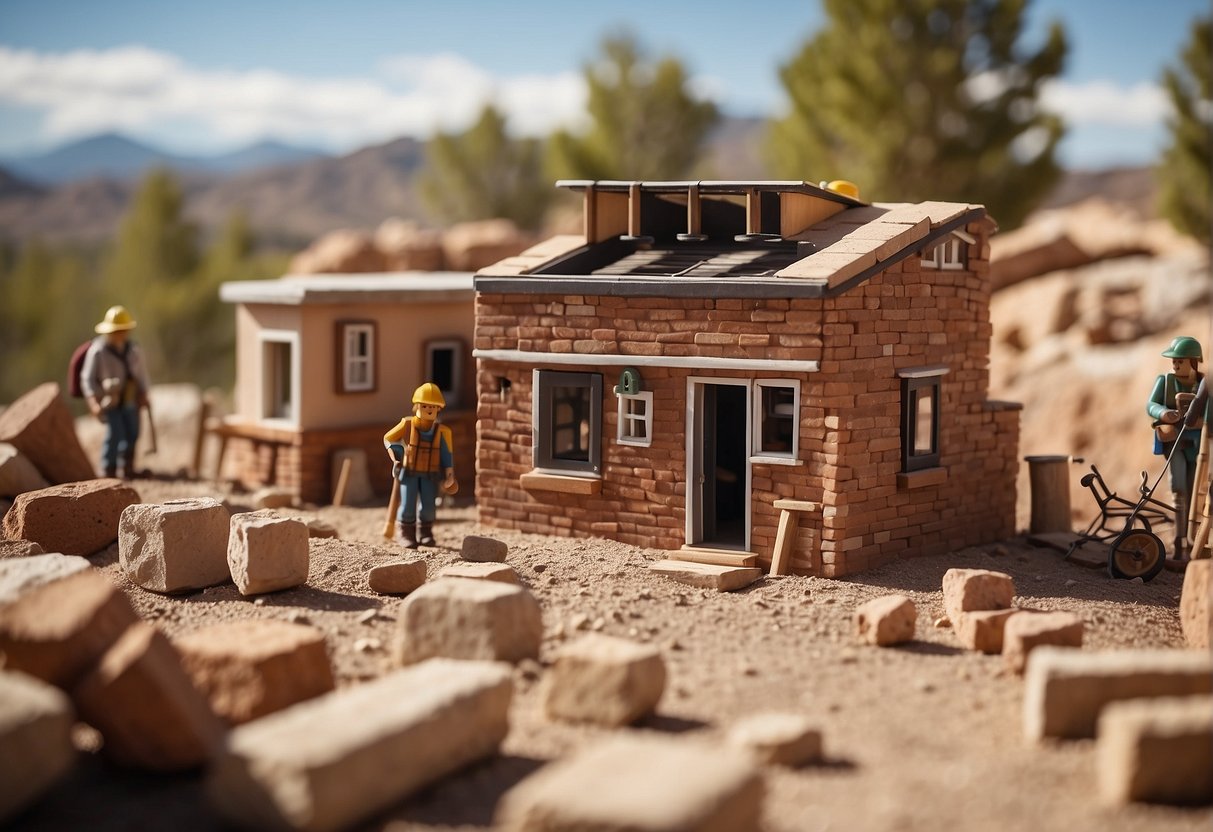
412 489
122 431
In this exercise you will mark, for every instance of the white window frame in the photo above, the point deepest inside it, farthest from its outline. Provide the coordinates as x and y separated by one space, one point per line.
291 338
947 254
777 458
349 360
455 345
625 418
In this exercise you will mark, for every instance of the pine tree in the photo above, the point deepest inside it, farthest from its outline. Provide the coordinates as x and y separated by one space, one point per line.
1185 192
645 122
482 173
923 99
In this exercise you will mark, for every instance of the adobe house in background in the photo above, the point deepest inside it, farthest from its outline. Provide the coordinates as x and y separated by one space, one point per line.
708 351
328 362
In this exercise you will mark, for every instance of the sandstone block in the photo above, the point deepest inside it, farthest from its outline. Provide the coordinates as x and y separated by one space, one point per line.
35 740
604 680
1064 690
886 621
40 426
58 615
1025 631
482 571
628 783
317 528
79 518
982 630
706 575
1156 751
397 578
17 473
778 739
247 669
145 706
19 549
266 552
462 619
483 549
271 498
330 762
965 590
1196 604
358 484
177 546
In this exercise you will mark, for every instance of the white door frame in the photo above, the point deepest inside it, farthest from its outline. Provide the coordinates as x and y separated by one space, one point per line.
694 431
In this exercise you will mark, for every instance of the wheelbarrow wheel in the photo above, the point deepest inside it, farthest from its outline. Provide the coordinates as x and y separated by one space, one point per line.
1136 553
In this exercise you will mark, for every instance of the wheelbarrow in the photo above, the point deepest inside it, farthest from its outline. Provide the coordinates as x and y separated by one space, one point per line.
1134 551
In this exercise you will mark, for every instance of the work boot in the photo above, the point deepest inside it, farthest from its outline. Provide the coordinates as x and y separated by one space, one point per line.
1181 526
128 466
425 533
111 471
408 535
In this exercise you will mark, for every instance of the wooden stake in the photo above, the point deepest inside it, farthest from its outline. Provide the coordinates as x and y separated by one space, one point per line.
343 481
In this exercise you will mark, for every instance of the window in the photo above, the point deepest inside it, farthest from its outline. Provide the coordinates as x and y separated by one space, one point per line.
776 404
279 375
356 361
635 419
568 421
949 254
444 367
920 422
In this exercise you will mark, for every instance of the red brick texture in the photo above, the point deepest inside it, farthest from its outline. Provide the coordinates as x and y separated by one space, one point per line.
849 436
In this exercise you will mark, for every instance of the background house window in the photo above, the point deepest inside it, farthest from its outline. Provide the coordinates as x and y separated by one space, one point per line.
775 423
444 367
568 421
279 381
920 423
356 365
635 419
948 254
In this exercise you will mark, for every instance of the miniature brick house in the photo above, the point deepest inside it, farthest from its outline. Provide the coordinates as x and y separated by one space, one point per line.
329 362
707 351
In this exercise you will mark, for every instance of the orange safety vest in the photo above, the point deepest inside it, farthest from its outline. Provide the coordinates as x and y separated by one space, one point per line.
421 455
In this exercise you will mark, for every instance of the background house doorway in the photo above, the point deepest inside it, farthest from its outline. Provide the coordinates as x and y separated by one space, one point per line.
719 451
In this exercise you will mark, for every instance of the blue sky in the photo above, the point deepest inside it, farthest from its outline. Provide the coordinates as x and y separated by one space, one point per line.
205 77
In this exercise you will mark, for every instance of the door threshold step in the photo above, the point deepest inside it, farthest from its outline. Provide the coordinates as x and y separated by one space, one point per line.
717 557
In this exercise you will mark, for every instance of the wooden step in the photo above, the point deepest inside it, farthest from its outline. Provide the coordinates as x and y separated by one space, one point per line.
717 557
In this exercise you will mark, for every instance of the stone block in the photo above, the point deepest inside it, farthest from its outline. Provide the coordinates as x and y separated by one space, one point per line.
1156 751
1196 604
778 739
40 426
148 711
317 528
706 575
358 484
247 669
79 518
604 680
35 740
19 549
633 783
266 552
58 615
965 590
177 546
270 497
482 572
397 578
462 619
1064 690
1025 631
886 621
982 630
17 473
483 549
331 762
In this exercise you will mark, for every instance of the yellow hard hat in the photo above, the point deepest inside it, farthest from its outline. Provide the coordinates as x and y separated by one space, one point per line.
842 186
428 393
117 319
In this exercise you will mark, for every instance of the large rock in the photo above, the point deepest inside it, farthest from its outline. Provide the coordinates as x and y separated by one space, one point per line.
639 784
332 762
248 669
1196 604
343 250
1064 690
1026 631
965 590
397 578
1157 751
177 546
145 706
58 615
40 426
886 621
468 246
461 619
982 630
707 575
79 518
481 549
35 740
266 552
408 247
17 473
778 738
604 680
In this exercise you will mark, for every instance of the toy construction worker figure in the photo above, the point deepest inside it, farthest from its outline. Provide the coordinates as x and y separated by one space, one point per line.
113 379
1169 402
422 455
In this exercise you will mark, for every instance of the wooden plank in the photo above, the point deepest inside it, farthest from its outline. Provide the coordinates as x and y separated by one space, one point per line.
795 505
714 557
610 216
784 538
534 481
799 212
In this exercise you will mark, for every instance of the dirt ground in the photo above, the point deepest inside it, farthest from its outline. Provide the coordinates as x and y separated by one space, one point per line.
923 737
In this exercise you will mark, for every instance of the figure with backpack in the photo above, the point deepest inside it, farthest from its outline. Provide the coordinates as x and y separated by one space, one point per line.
422 461
114 382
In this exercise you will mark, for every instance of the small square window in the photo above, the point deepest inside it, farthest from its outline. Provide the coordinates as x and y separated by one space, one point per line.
568 421
635 420
920 423
356 356
444 367
777 404
948 254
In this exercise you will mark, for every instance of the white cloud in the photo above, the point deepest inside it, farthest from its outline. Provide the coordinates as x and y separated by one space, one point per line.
139 89
1107 104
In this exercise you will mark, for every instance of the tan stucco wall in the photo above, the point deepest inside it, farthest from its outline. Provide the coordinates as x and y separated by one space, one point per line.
251 321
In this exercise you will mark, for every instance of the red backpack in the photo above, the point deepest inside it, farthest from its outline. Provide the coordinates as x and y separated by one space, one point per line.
75 369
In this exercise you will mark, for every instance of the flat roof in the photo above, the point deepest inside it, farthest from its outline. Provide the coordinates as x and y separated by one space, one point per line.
379 287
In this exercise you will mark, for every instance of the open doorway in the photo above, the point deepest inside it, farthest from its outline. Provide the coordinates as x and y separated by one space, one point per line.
719 453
